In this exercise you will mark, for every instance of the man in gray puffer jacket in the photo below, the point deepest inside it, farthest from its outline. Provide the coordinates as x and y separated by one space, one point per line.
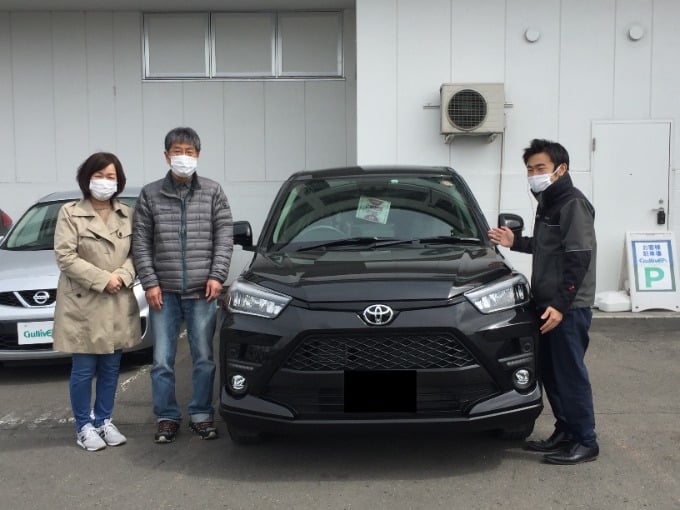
182 245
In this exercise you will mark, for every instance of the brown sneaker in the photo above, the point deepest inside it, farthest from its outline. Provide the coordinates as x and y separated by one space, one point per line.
167 430
204 429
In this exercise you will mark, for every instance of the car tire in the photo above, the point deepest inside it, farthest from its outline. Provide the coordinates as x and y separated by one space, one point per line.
516 433
243 437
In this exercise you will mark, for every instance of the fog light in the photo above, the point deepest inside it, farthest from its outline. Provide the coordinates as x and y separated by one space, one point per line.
522 379
238 384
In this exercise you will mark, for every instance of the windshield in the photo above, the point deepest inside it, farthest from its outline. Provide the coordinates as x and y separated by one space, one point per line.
324 212
35 229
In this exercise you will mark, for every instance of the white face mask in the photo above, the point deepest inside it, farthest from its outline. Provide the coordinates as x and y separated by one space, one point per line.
103 189
540 182
183 166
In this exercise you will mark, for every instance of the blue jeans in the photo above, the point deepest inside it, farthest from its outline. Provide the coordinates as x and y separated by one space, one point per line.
565 376
83 369
199 317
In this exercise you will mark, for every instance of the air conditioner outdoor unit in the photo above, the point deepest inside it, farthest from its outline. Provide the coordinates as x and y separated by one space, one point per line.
472 109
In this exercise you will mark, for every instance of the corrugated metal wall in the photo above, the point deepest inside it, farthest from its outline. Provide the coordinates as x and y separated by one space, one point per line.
71 83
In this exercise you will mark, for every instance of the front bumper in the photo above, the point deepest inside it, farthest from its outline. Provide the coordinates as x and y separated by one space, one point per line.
11 350
504 411
298 376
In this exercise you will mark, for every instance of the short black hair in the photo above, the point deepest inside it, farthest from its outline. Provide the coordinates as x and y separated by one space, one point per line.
555 151
182 135
94 163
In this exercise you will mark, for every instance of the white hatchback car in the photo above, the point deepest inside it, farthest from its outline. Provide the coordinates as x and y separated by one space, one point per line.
28 282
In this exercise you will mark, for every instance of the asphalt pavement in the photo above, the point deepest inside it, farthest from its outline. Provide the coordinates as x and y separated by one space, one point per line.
634 362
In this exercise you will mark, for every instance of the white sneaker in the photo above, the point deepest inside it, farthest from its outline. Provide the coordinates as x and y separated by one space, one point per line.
89 439
110 434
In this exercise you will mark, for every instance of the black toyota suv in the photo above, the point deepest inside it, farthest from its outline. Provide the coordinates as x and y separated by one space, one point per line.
374 297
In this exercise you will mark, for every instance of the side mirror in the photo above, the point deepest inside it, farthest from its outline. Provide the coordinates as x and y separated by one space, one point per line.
513 221
243 234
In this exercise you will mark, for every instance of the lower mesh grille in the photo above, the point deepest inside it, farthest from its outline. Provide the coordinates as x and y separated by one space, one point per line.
313 401
379 352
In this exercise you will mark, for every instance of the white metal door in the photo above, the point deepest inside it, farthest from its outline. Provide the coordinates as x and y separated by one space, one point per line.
631 171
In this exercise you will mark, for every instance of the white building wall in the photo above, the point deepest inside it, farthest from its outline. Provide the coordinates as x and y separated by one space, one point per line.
71 84
665 87
485 64
377 107
7 169
584 67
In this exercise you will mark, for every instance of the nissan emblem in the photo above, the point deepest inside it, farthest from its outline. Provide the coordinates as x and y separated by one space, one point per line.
41 297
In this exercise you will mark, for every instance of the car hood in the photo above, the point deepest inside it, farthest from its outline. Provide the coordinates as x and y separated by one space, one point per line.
392 274
28 270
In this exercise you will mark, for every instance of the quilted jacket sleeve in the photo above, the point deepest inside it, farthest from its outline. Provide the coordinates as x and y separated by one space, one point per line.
142 242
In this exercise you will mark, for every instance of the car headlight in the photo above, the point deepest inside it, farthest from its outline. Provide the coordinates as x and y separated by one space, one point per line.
251 299
502 295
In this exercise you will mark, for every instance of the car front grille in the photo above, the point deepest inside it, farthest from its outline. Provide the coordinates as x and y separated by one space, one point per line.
311 402
13 346
379 351
33 298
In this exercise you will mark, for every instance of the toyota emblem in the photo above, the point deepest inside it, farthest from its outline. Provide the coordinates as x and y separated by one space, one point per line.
378 315
41 297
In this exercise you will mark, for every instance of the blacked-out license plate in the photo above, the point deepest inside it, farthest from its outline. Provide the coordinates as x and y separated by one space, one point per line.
380 391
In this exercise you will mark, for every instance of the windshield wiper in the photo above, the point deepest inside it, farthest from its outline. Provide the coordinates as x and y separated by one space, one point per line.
448 240
373 242
376 242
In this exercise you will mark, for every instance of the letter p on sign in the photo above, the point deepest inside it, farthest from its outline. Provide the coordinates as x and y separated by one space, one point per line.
653 274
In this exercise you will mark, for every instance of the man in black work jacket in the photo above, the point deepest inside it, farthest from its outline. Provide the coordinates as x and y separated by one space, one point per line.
563 283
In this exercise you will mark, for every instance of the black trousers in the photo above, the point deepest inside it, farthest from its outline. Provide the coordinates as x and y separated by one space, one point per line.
565 376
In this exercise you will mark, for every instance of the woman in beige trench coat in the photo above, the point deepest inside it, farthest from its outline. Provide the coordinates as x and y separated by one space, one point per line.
96 313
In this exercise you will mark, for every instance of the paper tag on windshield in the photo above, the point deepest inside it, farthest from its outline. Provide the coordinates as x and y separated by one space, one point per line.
373 209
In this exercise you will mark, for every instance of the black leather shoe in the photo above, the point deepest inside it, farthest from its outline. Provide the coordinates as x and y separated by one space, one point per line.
576 454
558 441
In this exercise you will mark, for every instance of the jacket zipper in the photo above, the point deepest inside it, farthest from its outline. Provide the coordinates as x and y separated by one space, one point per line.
183 238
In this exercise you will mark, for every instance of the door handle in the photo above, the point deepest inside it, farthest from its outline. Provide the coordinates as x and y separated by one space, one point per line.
660 214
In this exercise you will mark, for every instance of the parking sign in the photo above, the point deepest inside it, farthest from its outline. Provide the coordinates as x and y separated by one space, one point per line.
652 271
